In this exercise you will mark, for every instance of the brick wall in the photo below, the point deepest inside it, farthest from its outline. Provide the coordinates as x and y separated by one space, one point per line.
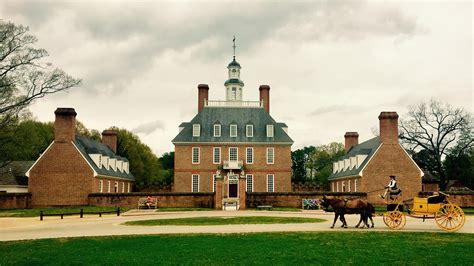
15 200
390 159
304 187
281 169
61 177
292 199
130 200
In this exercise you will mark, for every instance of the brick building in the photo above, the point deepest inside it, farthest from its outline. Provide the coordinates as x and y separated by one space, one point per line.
232 146
366 167
74 166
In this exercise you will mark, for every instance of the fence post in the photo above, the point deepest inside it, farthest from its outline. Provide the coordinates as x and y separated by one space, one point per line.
100 214
62 216
82 213
118 211
41 215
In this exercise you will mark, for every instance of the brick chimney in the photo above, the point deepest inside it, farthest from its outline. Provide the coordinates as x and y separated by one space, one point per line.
388 127
203 95
109 138
350 139
65 124
265 96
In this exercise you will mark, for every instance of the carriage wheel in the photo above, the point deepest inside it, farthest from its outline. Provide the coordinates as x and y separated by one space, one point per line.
394 219
450 217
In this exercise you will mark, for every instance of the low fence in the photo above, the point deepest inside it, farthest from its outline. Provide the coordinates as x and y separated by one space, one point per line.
462 198
81 213
165 199
293 199
15 200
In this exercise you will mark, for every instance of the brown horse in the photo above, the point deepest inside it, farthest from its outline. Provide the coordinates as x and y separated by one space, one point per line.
344 206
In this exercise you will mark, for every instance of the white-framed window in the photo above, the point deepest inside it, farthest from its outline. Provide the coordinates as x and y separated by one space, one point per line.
233 130
116 187
249 155
343 186
337 186
233 154
107 163
216 155
349 185
123 187
270 155
355 185
196 130
108 186
249 131
217 130
195 183
270 184
128 187
333 187
269 131
214 183
101 186
249 183
195 155
100 161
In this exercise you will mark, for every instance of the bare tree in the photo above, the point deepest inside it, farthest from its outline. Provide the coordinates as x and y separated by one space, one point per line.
24 74
437 127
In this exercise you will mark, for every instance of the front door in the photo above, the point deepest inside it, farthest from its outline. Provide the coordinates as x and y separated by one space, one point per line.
232 190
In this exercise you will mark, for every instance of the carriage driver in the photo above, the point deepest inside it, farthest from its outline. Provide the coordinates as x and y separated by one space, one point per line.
391 187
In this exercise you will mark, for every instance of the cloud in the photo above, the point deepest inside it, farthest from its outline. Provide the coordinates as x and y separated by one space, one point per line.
340 109
148 128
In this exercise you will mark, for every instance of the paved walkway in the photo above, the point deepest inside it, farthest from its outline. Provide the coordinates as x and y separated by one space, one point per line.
53 227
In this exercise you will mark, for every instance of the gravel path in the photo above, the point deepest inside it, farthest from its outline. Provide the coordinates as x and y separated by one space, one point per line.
53 227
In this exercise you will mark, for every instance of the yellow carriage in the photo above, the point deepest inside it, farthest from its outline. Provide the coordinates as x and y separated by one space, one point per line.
448 216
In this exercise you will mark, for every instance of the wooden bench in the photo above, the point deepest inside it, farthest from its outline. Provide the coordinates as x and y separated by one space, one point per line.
142 202
265 207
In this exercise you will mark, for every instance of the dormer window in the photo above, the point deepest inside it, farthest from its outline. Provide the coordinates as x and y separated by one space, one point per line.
125 167
217 130
106 163
196 130
100 161
269 131
249 131
233 131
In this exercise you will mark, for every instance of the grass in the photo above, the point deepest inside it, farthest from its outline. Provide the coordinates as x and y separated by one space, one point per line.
225 221
57 210
281 209
182 209
315 248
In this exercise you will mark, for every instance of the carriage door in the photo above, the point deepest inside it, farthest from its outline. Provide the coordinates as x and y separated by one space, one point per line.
233 186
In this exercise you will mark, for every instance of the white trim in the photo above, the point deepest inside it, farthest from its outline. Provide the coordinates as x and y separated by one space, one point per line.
246 155
198 128
237 155
115 177
214 155
192 185
270 131
370 159
214 132
101 185
355 185
116 187
247 131
108 186
85 159
37 160
421 171
192 155
273 155
236 130
123 187
349 185
128 187
273 182
247 182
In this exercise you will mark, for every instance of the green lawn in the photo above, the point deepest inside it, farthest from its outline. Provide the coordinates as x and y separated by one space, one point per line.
225 221
281 209
57 210
323 248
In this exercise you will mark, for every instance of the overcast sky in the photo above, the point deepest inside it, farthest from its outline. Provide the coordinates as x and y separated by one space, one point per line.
333 66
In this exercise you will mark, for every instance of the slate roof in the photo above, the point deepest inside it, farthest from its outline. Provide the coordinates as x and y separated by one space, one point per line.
88 146
365 148
234 81
14 172
234 64
225 116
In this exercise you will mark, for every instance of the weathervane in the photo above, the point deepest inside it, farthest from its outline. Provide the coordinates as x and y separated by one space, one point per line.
234 45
